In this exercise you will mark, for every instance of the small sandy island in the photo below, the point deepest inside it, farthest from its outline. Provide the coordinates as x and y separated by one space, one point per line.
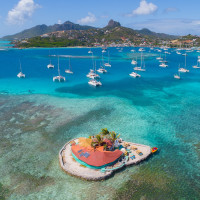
98 157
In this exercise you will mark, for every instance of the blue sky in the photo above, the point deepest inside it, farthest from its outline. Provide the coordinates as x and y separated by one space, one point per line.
177 17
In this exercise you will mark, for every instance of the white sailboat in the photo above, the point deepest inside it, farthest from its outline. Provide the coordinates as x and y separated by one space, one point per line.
142 65
20 74
50 66
58 78
184 70
92 74
177 76
197 66
135 75
159 58
163 65
90 51
69 71
165 61
141 49
108 63
102 69
134 62
93 81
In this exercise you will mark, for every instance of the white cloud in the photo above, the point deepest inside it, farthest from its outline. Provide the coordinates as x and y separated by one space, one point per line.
104 16
145 8
170 9
170 26
59 21
88 19
23 10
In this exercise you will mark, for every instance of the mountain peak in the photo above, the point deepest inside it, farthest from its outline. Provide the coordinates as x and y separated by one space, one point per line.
113 24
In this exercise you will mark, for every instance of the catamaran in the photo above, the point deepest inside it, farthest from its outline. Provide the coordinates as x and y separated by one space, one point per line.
108 63
50 66
92 74
69 71
102 70
134 62
184 70
20 74
135 75
93 81
177 76
58 78
197 65
163 65
141 49
159 58
142 65
90 51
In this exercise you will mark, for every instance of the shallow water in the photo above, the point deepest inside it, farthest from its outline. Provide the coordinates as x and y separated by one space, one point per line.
37 117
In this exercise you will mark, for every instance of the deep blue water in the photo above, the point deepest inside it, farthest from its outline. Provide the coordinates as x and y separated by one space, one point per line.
37 116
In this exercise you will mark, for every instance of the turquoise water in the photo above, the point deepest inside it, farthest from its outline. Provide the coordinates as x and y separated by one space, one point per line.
38 116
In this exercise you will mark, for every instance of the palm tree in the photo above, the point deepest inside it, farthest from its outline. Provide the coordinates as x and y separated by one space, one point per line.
104 131
99 140
114 136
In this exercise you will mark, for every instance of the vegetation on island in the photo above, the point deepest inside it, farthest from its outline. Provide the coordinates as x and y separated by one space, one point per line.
76 35
104 138
50 42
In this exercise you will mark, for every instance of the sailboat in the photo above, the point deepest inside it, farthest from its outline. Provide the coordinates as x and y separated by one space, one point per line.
104 49
135 75
50 66
102 69
177 76
141 49
92 74
163 65
58 78
184 70
134 62
197 66
93 81
108 63
142 66
68 71
165 61
159 58
20 74
90 51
